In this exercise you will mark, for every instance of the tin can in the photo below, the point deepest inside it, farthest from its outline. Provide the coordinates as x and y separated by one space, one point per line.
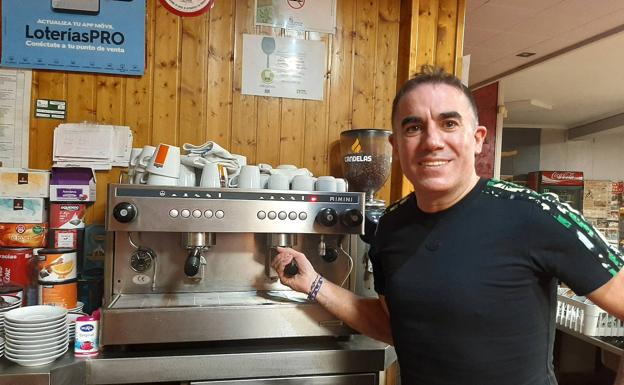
18 267
67 215
59 294
86 342
57 265
13 289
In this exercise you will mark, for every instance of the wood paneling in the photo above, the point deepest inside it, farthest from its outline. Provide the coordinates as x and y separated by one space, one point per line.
191 90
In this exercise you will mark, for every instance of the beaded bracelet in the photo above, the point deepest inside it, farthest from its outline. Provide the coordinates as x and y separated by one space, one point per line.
314 283
316 287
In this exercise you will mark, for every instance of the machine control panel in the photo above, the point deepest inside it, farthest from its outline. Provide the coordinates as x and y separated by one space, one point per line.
189 209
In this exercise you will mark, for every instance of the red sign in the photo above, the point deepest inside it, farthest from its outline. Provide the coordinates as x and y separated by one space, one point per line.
561 178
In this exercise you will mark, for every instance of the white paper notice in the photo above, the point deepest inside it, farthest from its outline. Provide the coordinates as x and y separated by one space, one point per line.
94 145
14 109
311 15
283 67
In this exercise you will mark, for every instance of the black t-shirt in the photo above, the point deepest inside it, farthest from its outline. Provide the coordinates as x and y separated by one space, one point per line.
471 290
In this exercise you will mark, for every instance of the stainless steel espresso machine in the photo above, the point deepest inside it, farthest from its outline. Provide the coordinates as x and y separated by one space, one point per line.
194 264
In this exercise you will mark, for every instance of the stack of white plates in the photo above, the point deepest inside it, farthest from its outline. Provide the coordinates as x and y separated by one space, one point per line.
78 308
35 335
1 346
71 323
14 302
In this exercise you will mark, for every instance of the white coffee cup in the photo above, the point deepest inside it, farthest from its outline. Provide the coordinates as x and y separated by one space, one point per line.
140 177
249 177
165 161
286 167
134 158
161 180
278 182
264 180
326 183
341 185
210 176
187 176
303 183
144 156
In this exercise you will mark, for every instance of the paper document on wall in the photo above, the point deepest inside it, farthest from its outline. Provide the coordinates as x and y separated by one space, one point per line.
93 145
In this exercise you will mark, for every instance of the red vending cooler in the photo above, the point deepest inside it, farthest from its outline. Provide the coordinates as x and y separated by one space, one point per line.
568 185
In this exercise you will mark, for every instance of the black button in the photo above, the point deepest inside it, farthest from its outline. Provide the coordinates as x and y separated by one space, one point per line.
432 245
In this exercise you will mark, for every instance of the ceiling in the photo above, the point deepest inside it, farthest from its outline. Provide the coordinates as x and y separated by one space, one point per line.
576 76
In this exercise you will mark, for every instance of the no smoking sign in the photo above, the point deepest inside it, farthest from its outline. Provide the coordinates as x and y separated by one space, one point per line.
296 4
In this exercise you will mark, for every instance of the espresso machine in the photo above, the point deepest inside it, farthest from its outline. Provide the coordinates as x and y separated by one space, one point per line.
193 264
366 165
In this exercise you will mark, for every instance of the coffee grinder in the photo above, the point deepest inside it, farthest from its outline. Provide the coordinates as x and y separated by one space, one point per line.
366 165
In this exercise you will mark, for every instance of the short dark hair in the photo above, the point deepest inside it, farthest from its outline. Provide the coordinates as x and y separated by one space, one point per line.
433 75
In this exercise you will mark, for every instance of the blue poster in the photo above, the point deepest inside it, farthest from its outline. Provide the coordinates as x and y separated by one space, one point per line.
103 36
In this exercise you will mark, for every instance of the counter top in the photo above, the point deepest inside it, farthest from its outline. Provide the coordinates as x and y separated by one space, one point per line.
612 344
357 354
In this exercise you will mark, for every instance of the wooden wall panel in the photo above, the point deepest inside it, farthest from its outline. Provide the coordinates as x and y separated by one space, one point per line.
366 21
193 71
244 117
191 90
341 79
166 77
220 74
139 90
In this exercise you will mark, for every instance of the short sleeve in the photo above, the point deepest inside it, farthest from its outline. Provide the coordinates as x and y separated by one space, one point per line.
563 244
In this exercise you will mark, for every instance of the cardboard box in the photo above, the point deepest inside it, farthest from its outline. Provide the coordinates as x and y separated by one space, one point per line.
67 215
23 210
23 234
24 183
72 184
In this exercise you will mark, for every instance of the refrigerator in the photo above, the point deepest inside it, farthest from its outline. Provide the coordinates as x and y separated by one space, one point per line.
568 185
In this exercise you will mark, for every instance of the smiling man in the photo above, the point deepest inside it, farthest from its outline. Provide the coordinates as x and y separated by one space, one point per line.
466 268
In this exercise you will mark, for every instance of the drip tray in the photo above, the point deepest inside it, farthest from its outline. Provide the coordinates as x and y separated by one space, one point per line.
168 300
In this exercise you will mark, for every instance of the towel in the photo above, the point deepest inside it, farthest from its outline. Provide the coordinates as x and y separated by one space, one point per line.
211 152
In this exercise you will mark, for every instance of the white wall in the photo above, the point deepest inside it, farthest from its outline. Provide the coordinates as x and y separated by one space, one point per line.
600 157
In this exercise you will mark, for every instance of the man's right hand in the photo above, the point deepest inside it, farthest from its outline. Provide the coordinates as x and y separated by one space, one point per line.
302 281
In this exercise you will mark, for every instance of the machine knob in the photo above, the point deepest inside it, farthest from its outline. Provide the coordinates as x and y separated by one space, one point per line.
124 212
193 261
291 269
351 218
331 254
327 217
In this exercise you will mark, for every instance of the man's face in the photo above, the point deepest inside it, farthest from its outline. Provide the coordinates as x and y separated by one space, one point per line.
436 140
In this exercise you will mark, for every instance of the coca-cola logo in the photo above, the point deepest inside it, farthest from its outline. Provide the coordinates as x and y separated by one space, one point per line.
564 175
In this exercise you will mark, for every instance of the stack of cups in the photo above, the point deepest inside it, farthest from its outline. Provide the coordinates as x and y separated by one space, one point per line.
330 184
164 166
139 158
57 277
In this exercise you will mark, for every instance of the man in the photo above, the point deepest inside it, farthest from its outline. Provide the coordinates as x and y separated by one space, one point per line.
466 268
